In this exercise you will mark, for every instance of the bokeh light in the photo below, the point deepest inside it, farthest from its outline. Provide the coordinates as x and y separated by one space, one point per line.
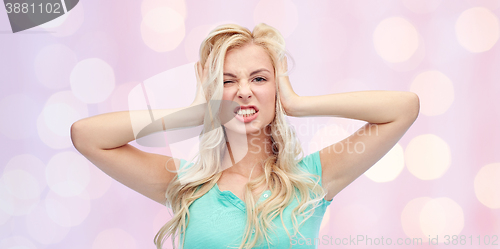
388 167
410 218
42 229
21 184
61 110
435 91
281 14
99 183
162 29
193 40
178 5
427 157
53 65
395 39
92 80
355 219
477 29
29 163
12 204
114 238
440 217
422 6
487 185
325 223
67 211
67 173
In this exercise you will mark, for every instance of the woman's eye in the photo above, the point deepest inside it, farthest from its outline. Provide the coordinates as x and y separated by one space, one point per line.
259 79
225 82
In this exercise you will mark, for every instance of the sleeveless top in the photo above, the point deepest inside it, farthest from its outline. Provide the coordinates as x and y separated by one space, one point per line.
218 218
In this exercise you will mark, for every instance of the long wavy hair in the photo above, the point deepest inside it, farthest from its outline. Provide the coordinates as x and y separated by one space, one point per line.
284 178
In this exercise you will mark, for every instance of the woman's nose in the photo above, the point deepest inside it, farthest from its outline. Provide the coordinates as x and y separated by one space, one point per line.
244 91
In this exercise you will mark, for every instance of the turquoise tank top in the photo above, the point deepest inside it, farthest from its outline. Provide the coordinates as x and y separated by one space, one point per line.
218 218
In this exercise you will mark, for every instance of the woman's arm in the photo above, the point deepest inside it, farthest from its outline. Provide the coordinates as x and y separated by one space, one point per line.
389 115
103 139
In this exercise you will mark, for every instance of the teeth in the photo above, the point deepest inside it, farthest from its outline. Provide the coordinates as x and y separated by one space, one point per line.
242 112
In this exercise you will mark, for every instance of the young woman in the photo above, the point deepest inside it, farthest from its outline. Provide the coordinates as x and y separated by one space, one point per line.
249 186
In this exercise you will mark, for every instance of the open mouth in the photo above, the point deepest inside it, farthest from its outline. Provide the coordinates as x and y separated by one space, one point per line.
246 111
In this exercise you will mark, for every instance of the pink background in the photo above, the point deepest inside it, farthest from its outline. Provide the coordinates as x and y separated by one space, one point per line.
442 178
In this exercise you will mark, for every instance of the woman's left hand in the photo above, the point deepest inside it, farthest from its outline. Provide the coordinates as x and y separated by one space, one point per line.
289 99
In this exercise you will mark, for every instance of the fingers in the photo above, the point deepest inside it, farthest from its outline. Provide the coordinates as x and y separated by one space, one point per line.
283 68
197 71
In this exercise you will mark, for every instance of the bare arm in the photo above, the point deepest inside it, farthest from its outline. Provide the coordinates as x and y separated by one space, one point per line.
389 115
104 138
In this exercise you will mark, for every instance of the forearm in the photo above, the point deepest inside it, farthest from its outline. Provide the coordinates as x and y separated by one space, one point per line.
112 130
370 106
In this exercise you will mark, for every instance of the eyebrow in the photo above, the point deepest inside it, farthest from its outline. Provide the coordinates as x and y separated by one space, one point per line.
253 73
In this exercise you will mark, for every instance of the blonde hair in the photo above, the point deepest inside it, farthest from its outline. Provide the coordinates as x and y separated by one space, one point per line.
285 179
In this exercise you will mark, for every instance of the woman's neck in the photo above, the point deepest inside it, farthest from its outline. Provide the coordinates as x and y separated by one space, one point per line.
248 151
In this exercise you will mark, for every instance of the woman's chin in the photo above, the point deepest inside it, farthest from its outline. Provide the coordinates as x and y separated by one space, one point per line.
238 127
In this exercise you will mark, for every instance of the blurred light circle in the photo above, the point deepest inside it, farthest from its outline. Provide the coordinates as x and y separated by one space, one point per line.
414 61
410 218
477 29
98 185
13 205
178 6
67 174
327 46
53 65
435 91
388 167
68 98
67 211
163 20
395 39
440 217
53 128
487 185
162 29
92 80
29 163
427 157
18 112
432 218
59 118
368 10
21 184
490 4
325 223
17 242
193 41
50 138
42 229
421 6
354 218
280 14
114 238
119 97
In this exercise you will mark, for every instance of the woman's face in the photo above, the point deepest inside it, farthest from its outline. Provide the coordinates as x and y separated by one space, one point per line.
249 81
